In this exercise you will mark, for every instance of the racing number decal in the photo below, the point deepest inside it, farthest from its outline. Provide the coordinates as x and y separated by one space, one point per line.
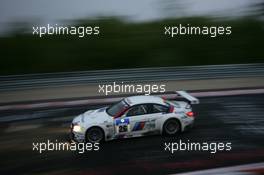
122 125
123 128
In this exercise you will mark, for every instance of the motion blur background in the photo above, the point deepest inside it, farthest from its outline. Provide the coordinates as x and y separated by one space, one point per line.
37 108
131 34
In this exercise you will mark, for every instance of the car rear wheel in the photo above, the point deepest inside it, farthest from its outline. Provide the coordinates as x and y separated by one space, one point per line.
94 134
171 127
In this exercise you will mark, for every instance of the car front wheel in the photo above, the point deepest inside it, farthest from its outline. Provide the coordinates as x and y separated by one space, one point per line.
94 134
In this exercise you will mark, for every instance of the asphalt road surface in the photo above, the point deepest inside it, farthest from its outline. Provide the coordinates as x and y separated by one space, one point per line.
238 119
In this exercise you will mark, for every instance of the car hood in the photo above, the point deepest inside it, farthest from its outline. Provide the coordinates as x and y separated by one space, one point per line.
96 116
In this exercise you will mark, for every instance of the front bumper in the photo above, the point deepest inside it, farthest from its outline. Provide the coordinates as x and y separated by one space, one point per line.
76 136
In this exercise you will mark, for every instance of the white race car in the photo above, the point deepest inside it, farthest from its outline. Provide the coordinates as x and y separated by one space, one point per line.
134 116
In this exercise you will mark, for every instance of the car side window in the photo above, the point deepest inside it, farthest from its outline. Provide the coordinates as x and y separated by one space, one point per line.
159 108
137 110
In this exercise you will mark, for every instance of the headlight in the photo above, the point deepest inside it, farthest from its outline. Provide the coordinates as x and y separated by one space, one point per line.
77 128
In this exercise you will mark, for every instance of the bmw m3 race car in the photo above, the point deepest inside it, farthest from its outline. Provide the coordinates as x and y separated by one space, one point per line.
133 117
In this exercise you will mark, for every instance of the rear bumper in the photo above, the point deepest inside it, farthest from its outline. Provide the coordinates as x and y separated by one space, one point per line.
188 125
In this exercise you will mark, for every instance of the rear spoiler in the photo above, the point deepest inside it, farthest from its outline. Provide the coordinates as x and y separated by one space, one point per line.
191 99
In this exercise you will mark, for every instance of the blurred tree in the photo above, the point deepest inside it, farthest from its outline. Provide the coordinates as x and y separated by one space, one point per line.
258 9
173 8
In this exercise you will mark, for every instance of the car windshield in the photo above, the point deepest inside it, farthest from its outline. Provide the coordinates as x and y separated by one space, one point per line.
117 108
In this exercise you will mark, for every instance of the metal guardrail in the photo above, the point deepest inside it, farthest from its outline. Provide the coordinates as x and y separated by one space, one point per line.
30 81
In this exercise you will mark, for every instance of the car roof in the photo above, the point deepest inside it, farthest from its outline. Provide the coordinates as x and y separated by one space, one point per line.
141 99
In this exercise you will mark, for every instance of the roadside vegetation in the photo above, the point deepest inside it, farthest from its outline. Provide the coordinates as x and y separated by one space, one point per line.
132 45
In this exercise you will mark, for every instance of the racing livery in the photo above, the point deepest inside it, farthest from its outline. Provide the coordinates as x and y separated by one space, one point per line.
133 117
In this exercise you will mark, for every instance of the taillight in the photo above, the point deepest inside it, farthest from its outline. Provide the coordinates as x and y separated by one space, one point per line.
190 114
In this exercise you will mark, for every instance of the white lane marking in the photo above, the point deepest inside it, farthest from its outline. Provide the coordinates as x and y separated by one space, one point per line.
228 170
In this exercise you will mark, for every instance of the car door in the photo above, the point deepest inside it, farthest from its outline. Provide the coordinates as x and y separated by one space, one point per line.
158 111
130 120
138 120
138 116
147 122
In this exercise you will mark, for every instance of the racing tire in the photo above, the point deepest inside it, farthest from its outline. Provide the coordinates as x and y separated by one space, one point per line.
94 135
171 127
